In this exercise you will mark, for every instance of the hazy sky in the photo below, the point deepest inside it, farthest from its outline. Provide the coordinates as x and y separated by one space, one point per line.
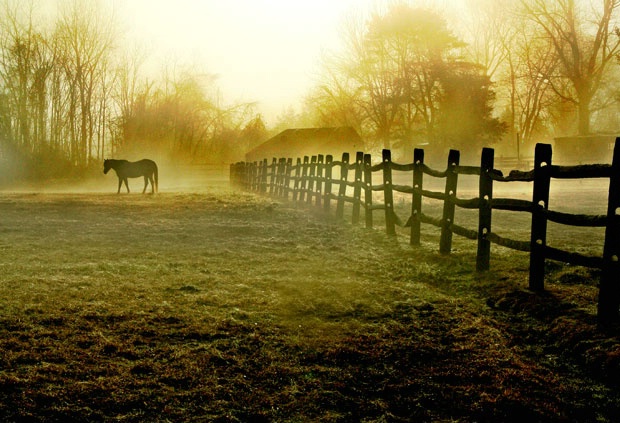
262 50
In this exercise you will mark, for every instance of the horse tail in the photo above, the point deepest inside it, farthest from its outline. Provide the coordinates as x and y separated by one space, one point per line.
156 178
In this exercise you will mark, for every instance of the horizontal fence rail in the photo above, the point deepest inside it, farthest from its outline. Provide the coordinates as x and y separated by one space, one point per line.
329 185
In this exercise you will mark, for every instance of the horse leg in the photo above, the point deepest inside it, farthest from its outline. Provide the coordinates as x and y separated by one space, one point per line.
120 184
126 184
146 183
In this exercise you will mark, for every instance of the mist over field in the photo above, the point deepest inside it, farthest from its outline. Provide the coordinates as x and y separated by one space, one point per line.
205 302
210 301
80 86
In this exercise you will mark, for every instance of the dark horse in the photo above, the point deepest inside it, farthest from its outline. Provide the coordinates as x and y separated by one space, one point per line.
125 169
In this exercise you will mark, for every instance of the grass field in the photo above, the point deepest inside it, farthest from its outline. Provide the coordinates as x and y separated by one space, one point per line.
206 304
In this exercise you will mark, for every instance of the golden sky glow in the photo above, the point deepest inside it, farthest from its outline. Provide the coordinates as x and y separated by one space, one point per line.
262 50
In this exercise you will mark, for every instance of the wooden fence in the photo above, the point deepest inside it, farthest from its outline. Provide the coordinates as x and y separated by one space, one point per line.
316 181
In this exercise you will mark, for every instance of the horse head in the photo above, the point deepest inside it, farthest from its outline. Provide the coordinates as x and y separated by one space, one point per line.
107 165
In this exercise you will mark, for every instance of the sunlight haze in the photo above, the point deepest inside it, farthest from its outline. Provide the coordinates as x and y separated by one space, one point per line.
264 51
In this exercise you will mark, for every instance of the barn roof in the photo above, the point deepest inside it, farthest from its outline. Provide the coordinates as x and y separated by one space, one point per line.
299 142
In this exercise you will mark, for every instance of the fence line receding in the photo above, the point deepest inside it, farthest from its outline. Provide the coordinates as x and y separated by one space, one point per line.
329 185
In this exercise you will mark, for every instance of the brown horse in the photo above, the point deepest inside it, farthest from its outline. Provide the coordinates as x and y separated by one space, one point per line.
125 169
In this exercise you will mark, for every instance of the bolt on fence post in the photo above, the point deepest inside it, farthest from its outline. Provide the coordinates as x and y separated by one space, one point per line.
485 195
342 191
445 242
319 181
540 200
328 183
609 292
357 189
416 196
388 195
368 190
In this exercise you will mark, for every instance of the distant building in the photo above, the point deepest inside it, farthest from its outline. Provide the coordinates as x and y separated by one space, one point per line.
585 149
299 142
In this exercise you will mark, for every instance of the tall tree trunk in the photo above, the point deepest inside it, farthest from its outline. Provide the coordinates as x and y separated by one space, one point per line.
584 118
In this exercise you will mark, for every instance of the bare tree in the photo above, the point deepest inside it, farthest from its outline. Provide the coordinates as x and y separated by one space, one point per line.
531 90
129 93
64 97
399 77
391 67
183 118
585 43
23 69
336 98
87 41
489 28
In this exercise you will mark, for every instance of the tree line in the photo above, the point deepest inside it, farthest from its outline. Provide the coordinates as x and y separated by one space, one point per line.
501 72
71 95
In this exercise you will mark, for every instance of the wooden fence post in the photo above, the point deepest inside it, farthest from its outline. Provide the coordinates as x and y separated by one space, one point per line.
445 243
609 292
238 174
319 181
253 173
368 190
256 176
388 195
280 180
263 177
357 190
242 172
311 179
304 179
297 182
273 175
287 177
275 178
416 197
328 183
250 177
485 194
247 171
540 200
344 172
232 176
